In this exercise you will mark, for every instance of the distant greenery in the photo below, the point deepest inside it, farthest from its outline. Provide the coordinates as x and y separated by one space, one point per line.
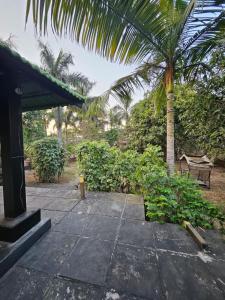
111 136
47 158
167 198
146 127
33 126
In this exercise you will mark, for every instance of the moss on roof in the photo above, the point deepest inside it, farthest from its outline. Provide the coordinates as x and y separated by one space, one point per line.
42 72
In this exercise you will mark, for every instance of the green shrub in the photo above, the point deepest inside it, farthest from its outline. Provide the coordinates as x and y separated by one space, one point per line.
125 170
111 136
167 199
177 198
71 149
96 161
47 159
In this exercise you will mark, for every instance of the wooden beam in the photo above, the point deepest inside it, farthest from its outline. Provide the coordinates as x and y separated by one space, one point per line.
195 235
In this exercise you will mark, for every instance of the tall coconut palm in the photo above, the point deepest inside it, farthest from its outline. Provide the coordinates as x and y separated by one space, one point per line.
164 36
59 68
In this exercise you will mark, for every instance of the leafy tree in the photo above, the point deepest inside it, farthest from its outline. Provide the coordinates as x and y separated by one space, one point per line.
146 127
59 68
166 37
33 126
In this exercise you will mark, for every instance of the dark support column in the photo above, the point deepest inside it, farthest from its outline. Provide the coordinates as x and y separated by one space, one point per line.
12 157
17 221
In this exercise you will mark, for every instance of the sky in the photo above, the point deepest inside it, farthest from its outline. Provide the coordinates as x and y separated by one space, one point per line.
96 68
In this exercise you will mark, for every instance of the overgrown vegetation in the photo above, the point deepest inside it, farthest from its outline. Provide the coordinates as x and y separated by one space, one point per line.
47 158
167 198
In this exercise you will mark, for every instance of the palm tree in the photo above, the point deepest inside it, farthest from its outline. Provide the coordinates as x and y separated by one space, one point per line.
59 68
123 109
164 36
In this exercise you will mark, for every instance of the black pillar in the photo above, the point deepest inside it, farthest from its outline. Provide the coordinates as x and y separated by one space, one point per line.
12 155
17 221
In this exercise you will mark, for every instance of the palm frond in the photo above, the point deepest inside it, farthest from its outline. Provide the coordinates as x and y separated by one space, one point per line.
63 62
139 25
142 76
80 82
47 56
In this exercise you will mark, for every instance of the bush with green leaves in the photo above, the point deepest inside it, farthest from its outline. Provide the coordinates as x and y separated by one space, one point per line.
125 170
96 161
47 158
111 136
177 198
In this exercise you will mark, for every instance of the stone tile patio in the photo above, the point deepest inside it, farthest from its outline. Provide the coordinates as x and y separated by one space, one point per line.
102 248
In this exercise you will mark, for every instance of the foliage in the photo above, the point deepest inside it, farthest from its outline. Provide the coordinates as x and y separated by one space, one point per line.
47 158
146 127
71 148
167 38
33 126
177 198
111 136
125 168
167 198
96 162
201 122
59 68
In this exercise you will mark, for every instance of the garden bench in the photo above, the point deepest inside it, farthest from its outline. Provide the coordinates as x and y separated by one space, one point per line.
198 167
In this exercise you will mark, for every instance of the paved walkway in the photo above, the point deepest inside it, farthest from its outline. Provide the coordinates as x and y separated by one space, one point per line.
101 248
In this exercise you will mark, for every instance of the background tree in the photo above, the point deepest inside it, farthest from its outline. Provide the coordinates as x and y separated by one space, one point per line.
33 126
146 127
122 110
158 34
59 68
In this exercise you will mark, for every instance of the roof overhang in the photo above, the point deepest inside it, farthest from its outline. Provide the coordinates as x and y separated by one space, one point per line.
39 90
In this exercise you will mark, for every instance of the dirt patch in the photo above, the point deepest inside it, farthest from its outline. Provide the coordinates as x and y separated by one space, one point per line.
216 193
70 175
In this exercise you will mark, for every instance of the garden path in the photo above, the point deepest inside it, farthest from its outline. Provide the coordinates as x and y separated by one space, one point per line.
102 248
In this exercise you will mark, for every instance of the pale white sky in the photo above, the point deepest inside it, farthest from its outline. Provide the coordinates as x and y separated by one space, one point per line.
104 73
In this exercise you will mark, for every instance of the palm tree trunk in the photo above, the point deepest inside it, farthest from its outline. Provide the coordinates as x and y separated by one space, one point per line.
58 121
170 157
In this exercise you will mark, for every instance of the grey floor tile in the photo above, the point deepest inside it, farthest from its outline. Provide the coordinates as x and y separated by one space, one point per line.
137 233
185 245
185 277
216 269
169 231
23 284
102 227
89 261
55 216
72 223
134 199
84 206
62 204
134 211
135 270
107 196
64 289
108 208
39 202
49 253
